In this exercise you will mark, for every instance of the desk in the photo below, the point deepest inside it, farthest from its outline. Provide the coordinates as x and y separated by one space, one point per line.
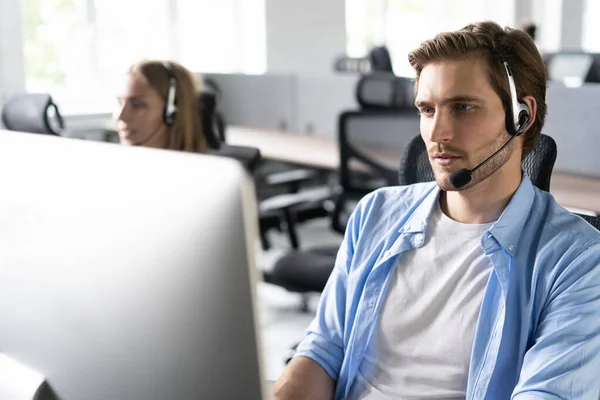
321 152
313 151
576 191
568 190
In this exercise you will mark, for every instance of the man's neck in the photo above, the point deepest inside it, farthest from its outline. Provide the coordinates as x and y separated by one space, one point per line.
483 202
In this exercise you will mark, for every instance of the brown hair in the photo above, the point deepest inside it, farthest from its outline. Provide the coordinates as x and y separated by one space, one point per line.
186 133
495 45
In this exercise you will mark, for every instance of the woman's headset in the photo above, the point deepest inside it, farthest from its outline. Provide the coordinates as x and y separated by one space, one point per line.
170 111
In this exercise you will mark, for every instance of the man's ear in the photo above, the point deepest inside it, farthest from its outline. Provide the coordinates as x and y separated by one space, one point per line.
532 104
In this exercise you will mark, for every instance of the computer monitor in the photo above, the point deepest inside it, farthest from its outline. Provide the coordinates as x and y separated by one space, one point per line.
128 273
573 69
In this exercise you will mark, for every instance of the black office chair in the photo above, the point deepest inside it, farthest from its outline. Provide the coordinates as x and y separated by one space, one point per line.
33 113
387 119
249 157
380 59
308 271
273 181
415 166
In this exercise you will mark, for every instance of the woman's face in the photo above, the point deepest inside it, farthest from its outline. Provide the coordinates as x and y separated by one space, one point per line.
139 116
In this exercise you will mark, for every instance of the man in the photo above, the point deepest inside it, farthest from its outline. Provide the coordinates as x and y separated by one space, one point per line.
477 286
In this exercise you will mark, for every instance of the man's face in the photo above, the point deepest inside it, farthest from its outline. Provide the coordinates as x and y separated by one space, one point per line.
462 119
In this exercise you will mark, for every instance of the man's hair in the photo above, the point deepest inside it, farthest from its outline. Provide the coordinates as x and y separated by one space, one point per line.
495 45
186 134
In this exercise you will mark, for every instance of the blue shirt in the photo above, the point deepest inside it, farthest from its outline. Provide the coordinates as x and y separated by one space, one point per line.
538 333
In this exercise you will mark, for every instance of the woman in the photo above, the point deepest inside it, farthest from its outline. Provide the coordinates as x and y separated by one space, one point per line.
158 108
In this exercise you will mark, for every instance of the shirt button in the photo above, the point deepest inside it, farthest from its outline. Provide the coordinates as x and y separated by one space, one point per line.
387 253
511 248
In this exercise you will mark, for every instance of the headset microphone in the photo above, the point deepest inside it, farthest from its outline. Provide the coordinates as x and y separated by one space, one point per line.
463 176
516 121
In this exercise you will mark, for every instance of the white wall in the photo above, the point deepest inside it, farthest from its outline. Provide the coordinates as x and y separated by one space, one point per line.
304 36
571 32
12 71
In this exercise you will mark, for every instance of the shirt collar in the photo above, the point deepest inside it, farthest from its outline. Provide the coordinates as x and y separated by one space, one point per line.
417 223
507 229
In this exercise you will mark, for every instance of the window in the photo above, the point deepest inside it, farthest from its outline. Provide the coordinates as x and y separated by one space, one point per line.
403 24
222 35
591 28
79 50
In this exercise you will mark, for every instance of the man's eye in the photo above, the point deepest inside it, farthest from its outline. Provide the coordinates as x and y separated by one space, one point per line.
464 107
426 111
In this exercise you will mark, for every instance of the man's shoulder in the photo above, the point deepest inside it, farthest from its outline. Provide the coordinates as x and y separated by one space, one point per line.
393 198
557 222
388 207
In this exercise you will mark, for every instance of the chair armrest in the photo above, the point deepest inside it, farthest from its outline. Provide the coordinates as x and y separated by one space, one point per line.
248 156
285 201
287 177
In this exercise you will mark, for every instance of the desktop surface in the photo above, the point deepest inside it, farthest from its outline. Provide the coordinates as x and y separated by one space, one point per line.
127 273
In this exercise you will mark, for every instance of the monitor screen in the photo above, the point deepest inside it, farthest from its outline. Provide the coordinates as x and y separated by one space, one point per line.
571 69
128 273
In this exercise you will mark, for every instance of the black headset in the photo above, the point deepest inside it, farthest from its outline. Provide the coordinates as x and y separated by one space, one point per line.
518 113
170 111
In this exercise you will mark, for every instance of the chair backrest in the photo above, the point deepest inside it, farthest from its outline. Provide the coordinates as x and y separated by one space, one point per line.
249 157
213 125
385 91
380 58
371 139
592 220
32 112
213 128
415 166
384 124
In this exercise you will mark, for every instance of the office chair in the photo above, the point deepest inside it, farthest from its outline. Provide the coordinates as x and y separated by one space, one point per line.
380 59
273 182
592 220
33 113
415 166
386 119
211 93
308 271
249 157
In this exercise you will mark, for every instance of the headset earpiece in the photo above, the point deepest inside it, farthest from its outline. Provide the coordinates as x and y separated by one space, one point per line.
170 111
518 114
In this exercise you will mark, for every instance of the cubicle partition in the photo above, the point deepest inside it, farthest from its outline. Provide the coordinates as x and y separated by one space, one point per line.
258 101
293 103
574 122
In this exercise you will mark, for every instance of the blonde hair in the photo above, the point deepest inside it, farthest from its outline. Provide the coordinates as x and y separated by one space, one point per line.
186 133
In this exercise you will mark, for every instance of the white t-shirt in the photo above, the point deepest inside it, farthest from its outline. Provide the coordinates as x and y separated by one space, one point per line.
421 345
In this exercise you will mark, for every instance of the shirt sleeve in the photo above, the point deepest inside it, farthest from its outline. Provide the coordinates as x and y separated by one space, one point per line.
564 361
324 340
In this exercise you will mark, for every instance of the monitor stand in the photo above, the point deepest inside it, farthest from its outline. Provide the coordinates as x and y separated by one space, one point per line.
19 382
